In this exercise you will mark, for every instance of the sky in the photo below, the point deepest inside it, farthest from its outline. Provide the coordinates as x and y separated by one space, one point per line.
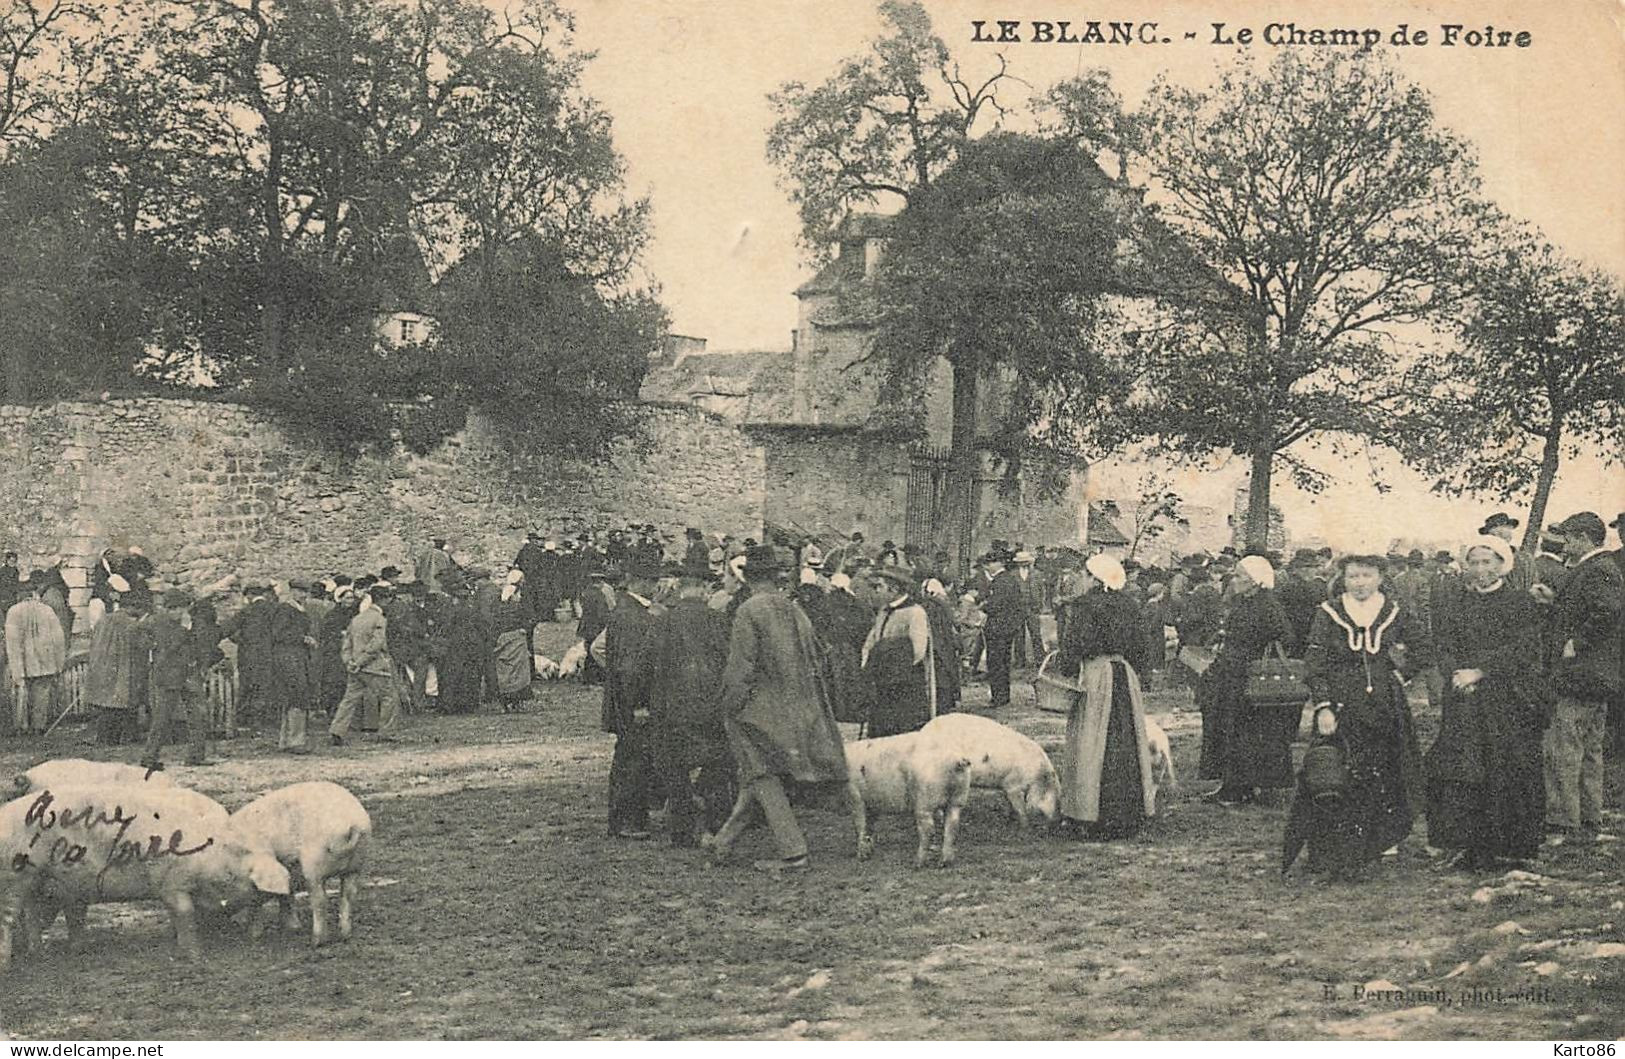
687 82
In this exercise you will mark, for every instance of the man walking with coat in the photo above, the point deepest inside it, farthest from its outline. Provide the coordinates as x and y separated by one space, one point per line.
780 728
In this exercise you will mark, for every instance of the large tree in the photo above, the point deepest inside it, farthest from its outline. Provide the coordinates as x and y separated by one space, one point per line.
1324 217
1538 374
1000 266
882 127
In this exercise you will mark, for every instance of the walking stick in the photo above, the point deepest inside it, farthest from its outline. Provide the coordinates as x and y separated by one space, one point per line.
58 721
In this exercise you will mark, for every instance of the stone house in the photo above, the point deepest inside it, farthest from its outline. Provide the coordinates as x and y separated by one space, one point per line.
832 461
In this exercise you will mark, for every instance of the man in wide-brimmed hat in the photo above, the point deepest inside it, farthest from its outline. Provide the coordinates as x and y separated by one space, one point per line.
779 725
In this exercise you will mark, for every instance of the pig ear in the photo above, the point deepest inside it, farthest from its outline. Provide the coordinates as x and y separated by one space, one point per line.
269 876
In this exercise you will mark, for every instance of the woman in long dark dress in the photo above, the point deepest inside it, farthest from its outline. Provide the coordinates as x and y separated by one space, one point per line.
1106 789
1362 647
1486 796
899 660
460 663
1256 743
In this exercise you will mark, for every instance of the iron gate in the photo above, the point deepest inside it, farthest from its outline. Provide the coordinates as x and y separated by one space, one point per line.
941 510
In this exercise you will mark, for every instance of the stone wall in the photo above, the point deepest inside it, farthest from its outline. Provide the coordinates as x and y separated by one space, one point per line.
829 483
209 489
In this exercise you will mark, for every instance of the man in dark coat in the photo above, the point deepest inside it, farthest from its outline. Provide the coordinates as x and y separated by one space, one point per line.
1300 594
594 619
1584 639
290 687
626 711
680 669
780 728
529 561
409 645
250 630
330 673
1006 607
10 582
176 691
697 559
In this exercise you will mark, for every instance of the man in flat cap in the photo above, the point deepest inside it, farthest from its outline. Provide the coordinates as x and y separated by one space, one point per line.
1583 638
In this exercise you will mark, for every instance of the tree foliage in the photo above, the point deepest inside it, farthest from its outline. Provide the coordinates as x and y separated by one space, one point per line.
1323 214
1538 372
270 175
1000 266
883 127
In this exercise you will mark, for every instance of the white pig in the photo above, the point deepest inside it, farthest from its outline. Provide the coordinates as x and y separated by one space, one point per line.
320 829
912 772
78 772
1003 759
80 846
1162 756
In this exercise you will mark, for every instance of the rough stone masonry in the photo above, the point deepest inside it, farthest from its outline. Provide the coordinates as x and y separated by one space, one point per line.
209 489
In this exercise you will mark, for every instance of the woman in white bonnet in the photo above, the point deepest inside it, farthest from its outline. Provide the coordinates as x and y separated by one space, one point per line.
1256 744
1106 789
1485 793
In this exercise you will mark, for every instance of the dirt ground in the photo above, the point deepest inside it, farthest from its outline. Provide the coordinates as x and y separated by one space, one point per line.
497 908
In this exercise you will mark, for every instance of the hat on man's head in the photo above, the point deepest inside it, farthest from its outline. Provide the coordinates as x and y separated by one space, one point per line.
1497 520
1618 523
117 583
1583 523
389 573
1443 556
761 560
1022 558
302 584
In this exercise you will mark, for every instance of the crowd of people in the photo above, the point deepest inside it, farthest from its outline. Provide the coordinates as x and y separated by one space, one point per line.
726 664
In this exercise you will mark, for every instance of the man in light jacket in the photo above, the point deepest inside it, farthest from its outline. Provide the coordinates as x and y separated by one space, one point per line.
370 673
36 651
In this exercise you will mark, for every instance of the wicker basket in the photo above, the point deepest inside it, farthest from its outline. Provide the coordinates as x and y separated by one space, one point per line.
1055 694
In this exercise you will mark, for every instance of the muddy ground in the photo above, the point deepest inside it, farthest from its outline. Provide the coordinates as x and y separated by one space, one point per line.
497 908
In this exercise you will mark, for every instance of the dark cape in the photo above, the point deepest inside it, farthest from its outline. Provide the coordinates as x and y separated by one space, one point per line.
1358 669
459 645
1254 746
1484 787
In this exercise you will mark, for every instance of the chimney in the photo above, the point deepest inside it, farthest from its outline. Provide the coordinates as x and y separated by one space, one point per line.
674 348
